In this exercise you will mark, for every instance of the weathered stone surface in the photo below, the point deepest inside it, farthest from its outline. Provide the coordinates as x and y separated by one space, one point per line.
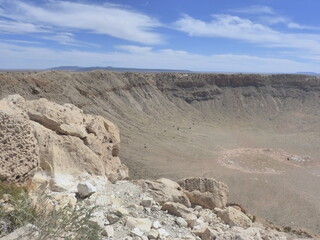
113 218
209 234
153 234
163 234
147 202
85 189
156 224
234 217
61 139
108 231
180 210
144 224
181 222
137 232
165 190
206 192
19 152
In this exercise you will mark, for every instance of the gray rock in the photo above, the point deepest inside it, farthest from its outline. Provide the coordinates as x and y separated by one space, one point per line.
163 233
180 210
144 224
164 190
137 232
156 224
209 234
234 217
108 231
85 189
181 222
153 234
113 218
147 202
206 192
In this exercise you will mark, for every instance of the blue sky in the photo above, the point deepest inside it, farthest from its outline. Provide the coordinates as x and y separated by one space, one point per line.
206 35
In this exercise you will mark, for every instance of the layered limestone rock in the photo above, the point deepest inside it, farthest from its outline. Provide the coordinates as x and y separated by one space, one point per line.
165 190
206 192
19 151
234 217
61 139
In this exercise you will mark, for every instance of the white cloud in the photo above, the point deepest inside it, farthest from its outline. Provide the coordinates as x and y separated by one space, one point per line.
66 38
287 22
234 27
13 56
12 27
113 20
134 49
254 10
63 38
21 41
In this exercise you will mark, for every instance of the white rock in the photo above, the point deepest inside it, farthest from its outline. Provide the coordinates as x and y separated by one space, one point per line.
137 232
127 238
163 233
209 234
147 202
116 202
120 211
156 224
155 208
144 224
85 189
180 210
153 234
113 218
108 231
234 217
181 222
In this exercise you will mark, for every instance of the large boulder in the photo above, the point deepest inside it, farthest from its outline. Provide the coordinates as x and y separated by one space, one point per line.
206 192
60 139
165 190
19 150
181 210
234 217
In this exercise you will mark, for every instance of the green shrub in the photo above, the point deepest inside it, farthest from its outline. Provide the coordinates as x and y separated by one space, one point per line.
64 222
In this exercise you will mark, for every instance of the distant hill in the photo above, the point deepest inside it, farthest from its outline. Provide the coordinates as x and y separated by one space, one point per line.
115 69
309 73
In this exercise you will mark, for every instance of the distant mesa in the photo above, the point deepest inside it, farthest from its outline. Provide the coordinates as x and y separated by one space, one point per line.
309 73
115 69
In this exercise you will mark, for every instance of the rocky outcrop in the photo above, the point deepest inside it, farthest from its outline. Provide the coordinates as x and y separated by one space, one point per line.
19 150
234 217
120 214
206 192
165 190
60 139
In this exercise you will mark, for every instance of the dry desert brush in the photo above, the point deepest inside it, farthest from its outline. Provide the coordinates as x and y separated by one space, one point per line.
17 209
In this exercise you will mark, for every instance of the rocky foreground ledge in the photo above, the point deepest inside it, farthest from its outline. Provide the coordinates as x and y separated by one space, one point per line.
60 152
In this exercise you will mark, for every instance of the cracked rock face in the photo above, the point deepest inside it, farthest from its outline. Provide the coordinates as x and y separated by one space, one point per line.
206 192
61 139
19 151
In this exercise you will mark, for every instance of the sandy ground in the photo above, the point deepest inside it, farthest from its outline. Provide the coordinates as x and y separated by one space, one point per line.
253 162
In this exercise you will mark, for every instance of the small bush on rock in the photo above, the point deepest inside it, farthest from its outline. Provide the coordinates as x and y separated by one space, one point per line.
56 222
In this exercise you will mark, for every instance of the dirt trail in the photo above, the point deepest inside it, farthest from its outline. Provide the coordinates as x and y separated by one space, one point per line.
240 129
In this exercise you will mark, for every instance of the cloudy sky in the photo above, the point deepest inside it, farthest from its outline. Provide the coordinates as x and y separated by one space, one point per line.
205 35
